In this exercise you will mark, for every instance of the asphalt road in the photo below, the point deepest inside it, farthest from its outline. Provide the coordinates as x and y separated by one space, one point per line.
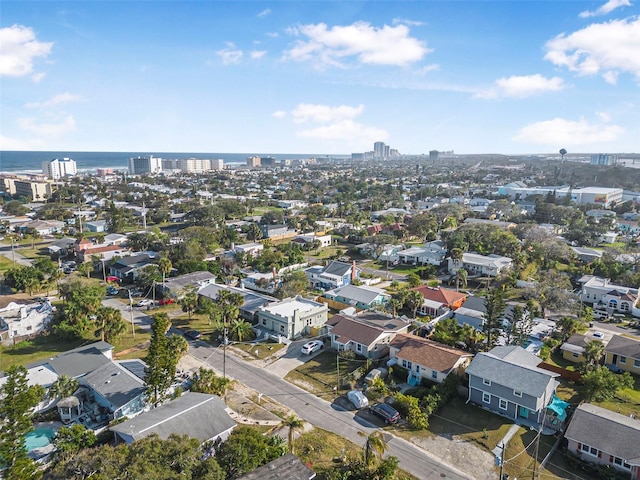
323 414
14 256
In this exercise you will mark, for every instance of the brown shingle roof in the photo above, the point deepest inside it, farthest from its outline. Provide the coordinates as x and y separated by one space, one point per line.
348 329
442 295
428 353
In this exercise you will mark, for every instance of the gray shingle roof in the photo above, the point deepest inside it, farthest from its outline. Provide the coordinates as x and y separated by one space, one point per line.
608 431
502 369
80 361
337 268
624 346
357 294
252 300
198 415
287 467
115 384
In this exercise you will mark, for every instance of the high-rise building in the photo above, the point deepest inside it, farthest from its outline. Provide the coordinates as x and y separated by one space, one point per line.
217 164
253 162
267 161
57 169
141 165
194 165
379 151
604 159
433 156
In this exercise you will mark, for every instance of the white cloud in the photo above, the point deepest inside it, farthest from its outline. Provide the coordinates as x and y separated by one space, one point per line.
346 130
37 77
8 143
605 9
265 13
609 48
404 21
369 45
272 34
604 116
522 86
279 114
560 131
67 124
427 68
54 101
18 49
256 54
308 112
230 55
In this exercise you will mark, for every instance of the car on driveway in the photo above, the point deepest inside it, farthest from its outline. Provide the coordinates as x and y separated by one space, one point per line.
385 412
145 303
192 334
311 347
112 290
167 301
358 399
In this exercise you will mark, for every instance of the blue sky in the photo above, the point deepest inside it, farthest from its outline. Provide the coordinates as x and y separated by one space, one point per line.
320 77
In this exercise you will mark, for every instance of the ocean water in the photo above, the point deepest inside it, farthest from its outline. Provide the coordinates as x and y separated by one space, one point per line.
31 162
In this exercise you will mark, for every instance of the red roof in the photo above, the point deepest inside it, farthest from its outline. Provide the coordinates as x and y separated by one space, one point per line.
442 295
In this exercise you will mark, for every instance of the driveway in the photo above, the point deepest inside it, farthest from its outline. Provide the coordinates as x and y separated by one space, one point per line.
291 358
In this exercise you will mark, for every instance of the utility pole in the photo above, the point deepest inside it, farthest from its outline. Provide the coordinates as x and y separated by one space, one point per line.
133 328
224 354
104 271
501 477
338 372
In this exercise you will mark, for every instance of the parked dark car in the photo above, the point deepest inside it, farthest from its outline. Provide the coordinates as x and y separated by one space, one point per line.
385 412
192 334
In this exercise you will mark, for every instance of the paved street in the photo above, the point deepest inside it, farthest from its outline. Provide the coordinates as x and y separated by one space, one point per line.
19 259
322 413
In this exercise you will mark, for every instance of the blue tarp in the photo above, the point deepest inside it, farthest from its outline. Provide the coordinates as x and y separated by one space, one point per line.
558 407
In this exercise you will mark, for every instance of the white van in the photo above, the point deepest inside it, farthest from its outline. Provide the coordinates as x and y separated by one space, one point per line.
358 399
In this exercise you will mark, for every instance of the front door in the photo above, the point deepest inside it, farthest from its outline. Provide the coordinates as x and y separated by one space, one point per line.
524 412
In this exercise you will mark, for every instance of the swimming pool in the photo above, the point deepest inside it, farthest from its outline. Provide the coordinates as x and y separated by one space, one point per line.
40 437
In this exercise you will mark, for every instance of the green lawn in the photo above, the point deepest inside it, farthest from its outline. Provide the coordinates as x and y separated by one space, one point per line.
30 252
5 263
319 375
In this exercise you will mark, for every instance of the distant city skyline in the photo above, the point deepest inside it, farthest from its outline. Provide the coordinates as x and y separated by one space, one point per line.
515 78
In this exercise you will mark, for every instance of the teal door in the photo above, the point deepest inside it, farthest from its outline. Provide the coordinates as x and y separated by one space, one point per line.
524 412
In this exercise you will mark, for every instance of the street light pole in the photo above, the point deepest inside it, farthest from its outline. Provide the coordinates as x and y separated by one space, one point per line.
224 354
133 328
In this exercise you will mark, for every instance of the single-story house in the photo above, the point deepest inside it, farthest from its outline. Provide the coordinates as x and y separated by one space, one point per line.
507 381
43 227
599 436
480 265
432 253
96 226
292 317
276 231
574 347
624 353
360 297
587 255
127 268
249 249
427 359
438 300
61 248
174 286
307 240
198 415
368 334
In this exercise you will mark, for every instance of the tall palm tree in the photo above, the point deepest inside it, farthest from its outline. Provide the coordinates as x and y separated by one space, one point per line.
374 446
415 300
461 277
63 387
165 266
293 423
109 324
240 329
593 352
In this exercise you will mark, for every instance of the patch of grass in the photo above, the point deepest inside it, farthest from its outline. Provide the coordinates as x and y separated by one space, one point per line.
521 451
128 347
30 252
323 450
5 263
260 351
319 375
557 360
37 349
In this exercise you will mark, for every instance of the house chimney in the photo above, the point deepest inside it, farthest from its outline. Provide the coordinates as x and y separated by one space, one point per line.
353 271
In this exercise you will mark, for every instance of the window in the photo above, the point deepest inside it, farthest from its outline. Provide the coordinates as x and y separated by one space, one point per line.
29 327
407 364
358 347
486 382
575 355
486 397
434 374
636 363
590 450
517 393
264 321
281 328
503 404
622 359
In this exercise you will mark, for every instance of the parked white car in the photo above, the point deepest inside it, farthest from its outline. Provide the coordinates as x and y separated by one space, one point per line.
358 399
311 347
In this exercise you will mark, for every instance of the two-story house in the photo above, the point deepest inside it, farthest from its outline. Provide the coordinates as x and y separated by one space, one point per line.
335 274
604 295
507 381
292 317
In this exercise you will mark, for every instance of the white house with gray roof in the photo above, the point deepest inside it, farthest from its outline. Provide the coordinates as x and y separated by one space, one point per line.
480 265
507 381
431 253
361 297
292 317
600 436
335 274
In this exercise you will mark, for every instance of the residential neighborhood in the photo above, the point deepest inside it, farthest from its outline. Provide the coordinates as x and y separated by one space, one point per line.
499 316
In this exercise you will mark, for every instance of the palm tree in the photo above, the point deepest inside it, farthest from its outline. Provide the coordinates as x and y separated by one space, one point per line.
593 352
165 266
374 446
63 387
395 304
109 324
415 300
85 268
190 301
293 423
461 277
240 329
